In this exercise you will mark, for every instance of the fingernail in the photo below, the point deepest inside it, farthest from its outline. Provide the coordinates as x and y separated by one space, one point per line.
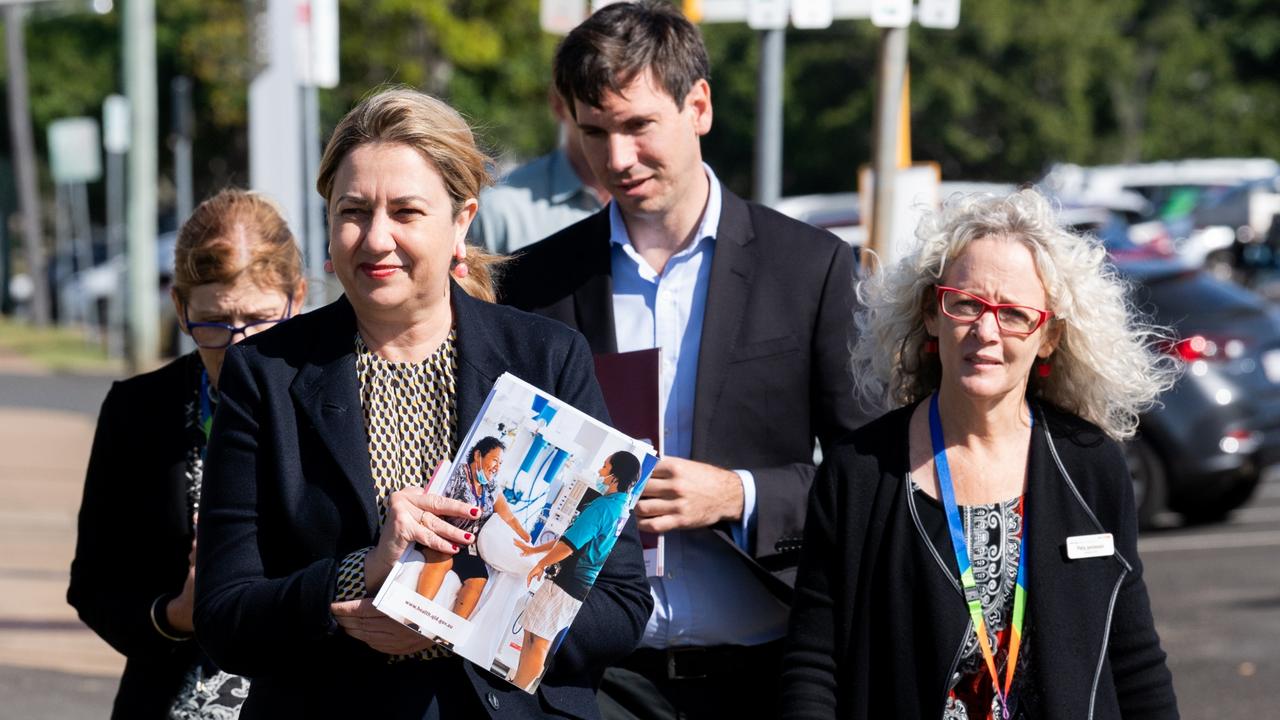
468 536
475 512
455 547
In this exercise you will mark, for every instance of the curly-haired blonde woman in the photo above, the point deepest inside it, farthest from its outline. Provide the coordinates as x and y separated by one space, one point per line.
972 553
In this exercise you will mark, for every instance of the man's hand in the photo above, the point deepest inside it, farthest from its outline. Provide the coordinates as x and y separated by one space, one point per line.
683 494
360 620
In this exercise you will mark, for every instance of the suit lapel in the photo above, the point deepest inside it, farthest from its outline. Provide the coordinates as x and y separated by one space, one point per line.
327 392
733 266
593 298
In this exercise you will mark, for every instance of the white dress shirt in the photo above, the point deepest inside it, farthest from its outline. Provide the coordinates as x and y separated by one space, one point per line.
708 596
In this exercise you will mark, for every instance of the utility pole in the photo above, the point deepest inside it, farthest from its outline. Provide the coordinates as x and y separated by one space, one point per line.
891 71
183 126
768 174
24 162
140 87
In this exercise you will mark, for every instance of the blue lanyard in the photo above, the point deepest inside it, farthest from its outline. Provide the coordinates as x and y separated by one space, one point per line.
972 596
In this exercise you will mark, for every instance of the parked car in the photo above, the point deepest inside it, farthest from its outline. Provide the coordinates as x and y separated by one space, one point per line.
1201 452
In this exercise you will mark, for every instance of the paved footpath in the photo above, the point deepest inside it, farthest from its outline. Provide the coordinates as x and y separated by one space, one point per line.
51 665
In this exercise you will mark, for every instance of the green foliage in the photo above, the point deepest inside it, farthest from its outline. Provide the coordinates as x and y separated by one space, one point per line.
487 57
1018 85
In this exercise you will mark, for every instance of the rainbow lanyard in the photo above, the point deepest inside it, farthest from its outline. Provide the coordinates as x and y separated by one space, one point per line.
206 407
961 546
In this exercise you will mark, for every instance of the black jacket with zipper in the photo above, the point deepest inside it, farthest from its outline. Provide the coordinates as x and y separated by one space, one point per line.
879 618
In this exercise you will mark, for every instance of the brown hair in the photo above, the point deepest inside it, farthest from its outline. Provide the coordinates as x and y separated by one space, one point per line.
232 235
619 42
442 136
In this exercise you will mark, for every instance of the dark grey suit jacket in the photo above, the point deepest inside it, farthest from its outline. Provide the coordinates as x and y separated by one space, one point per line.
288 494
773 366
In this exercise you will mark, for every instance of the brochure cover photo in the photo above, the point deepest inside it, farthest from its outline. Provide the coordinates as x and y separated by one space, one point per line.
555 488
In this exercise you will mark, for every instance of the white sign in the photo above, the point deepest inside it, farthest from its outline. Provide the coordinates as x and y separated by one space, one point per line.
115 124
940 14
891 13
811 14
720 11
767 14
561 16
315 42
75 153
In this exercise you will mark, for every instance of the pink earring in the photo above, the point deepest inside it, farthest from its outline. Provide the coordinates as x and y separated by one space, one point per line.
328 266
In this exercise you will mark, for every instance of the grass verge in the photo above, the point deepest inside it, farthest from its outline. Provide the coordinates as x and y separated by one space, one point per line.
57 349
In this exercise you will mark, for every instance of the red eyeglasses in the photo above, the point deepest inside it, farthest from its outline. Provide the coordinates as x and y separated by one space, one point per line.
963 307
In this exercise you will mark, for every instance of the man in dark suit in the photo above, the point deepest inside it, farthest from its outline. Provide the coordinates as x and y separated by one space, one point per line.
752 312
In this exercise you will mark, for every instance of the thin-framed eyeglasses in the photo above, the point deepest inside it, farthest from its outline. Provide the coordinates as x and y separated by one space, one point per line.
967 308
216 335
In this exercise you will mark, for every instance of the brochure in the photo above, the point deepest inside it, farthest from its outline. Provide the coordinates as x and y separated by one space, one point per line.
555 488
630 383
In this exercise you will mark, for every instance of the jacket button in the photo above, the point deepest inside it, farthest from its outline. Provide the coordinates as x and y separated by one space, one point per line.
492 697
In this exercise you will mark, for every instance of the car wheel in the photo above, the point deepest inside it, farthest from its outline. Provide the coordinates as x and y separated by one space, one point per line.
1150 481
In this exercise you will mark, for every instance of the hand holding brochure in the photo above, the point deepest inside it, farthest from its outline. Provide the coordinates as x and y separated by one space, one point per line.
555 488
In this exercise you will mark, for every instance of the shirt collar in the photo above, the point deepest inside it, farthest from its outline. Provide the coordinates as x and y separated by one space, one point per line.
708 226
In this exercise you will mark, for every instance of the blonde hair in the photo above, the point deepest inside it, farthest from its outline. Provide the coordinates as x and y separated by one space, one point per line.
426 124
1107 367
233 235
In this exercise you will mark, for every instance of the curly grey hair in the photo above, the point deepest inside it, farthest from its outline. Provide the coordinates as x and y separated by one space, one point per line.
1107 368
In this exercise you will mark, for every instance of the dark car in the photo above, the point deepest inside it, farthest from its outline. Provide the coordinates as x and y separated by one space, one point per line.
1202 451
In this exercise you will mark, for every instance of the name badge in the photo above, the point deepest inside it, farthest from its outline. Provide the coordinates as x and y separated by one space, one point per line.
1090 546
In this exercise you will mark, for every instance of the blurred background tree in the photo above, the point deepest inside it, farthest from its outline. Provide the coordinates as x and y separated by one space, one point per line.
1017 86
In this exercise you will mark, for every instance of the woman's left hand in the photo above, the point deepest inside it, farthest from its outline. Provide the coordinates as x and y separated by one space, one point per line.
360 620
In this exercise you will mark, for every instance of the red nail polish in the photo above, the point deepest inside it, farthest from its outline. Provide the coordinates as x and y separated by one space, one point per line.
475 512
455 547
468 536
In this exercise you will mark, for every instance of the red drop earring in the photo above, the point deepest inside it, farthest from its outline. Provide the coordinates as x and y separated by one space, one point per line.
1044 368
931 346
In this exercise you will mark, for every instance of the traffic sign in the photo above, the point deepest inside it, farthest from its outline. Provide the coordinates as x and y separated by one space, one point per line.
767 14
811 14
939 14
75 153
891 13
115 124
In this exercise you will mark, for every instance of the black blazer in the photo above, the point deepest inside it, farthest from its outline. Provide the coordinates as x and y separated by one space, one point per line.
288 494
879 616
135 532
772 369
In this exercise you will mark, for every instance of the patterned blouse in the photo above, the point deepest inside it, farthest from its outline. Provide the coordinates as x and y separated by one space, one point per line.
411 420
994 534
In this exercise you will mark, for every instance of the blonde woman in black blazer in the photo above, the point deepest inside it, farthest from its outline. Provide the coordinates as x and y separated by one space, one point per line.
311 498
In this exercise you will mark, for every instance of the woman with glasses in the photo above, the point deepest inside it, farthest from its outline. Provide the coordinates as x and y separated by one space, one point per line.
329 429
237 272
973 552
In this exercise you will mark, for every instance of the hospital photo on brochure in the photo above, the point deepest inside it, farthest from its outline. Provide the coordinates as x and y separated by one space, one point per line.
554 487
